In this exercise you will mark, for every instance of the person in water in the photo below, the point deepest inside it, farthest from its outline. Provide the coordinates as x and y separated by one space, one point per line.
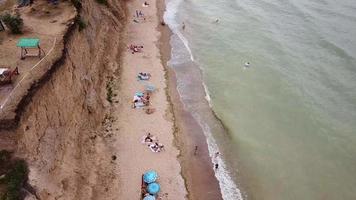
247 64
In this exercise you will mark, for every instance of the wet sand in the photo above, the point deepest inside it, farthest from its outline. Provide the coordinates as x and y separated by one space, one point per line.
197 169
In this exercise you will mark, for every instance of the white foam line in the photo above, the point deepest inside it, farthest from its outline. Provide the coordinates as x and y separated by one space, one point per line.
207 95
228 188
186 44
49 52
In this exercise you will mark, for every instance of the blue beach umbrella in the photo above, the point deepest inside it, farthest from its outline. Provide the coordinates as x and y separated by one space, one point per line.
153 188
150 176
149 197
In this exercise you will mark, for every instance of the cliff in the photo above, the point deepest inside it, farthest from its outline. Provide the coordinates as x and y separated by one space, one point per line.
59 132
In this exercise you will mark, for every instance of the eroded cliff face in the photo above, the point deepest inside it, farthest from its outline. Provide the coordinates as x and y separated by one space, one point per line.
60 133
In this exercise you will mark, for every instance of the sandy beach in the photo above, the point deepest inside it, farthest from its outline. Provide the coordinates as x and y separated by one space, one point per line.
134 158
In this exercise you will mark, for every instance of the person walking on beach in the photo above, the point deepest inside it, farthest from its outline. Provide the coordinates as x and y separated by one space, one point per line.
216 165
183 26
196 150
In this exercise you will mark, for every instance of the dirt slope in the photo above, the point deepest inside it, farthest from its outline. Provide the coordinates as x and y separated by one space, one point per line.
60 133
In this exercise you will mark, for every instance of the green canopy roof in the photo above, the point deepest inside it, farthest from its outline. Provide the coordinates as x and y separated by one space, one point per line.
28 42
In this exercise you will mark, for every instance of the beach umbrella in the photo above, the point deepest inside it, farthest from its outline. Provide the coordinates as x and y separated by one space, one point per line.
153 188
150 176
149 197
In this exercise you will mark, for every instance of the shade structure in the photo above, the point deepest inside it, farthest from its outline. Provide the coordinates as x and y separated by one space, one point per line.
150 176
149 197
153 188
28 43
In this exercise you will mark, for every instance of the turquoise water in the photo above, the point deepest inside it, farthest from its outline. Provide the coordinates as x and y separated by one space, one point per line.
291 116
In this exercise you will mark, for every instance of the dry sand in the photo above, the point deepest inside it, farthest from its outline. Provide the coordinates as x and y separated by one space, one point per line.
135 158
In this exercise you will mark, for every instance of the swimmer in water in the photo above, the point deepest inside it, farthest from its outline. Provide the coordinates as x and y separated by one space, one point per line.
247 64
216 20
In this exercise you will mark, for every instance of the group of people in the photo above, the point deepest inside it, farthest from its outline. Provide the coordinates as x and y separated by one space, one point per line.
135 48
139 14
141 99
152 143
144 76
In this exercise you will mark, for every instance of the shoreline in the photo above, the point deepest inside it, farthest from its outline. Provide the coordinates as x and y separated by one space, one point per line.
197 169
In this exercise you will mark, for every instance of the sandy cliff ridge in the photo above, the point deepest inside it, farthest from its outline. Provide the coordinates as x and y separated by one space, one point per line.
60 132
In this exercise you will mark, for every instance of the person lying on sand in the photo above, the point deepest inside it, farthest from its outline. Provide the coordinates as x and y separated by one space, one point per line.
156 147
145 4
144 76
135 48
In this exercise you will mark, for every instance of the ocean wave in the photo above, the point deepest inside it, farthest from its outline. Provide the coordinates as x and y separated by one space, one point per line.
169 18
179 56
207 95
229 189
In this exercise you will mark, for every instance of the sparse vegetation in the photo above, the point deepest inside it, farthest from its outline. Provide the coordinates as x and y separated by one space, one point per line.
13 22
81 23
14 176
109 91
77 4
104 2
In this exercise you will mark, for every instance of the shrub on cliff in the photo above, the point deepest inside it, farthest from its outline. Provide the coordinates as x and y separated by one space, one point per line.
77 4
13 22
81 23
104 2
14 178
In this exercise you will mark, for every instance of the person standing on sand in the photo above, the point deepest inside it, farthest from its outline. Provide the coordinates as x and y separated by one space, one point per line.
196 150
183 26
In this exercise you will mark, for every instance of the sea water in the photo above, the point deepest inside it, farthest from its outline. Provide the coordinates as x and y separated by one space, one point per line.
286 125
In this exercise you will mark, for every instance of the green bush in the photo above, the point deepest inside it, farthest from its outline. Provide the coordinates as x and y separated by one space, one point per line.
14 180
4 157
13 22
